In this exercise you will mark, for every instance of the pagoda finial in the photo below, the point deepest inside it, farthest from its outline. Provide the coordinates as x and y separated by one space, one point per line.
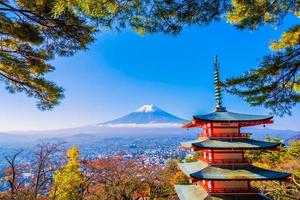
218 94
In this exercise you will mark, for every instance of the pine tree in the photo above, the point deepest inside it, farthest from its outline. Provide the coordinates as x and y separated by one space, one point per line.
33 31
68 181
275 83
30 35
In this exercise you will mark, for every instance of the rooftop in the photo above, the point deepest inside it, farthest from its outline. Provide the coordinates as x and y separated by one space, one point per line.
237 172
233 143
231 117
192 167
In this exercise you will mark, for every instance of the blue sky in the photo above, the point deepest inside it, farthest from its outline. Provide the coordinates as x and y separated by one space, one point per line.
123 71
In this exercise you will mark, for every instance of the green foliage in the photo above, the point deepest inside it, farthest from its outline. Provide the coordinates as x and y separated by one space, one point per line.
272 84
69 181
175 175
29 37
33 31
147 16
294 150
194 157
254 13
288 160
289 39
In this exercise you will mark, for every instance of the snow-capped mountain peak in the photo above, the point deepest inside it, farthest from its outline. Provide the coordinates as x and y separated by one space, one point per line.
148 108
148 115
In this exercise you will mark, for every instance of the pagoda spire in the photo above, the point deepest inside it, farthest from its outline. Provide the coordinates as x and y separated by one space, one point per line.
218 88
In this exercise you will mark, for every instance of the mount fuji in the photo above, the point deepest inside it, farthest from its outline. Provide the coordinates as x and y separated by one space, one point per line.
148 120
147 115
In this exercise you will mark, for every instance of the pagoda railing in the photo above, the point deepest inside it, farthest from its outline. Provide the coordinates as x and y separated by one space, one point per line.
225 161
233 190
226 135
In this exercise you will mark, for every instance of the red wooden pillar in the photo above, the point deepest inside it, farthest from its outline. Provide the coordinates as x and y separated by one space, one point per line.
249 186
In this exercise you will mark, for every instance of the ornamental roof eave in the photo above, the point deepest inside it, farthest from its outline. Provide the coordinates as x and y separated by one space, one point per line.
229 117
188 144
190 192
238 172
233 143
192 167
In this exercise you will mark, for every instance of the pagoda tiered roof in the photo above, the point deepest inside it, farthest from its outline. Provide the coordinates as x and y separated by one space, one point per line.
194 192
228 117
202 171
192 167
223 172
228 143
237 172
190 192
188 144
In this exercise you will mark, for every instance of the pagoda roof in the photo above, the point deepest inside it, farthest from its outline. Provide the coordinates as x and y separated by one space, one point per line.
237 172
190 192
194 192
188 144
192 167
231 117
233 143
226 116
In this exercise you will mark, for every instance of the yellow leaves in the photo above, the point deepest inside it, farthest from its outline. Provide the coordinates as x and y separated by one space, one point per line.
252 13
234 17
179 178
40 2
60 7
264 165
73 153
93 8
68 180
140 30
295 86
243 10
288 39
267 16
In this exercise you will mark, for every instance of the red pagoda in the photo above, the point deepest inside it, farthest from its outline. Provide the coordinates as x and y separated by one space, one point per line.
223 172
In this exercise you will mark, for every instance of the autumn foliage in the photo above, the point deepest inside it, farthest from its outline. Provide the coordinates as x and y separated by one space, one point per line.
67 176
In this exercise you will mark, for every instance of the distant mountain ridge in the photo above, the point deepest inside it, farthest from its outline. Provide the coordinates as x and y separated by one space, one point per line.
147 120
147 114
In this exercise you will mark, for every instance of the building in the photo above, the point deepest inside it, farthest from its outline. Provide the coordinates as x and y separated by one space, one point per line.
223 172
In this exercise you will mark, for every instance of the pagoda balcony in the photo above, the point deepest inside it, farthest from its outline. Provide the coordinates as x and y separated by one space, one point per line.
250 190
225 161
227 135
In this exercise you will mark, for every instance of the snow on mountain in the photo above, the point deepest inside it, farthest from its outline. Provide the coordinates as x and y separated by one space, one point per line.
149 108
146 116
